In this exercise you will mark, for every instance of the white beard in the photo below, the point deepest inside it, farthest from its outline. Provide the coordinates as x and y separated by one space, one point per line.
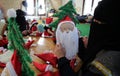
69 41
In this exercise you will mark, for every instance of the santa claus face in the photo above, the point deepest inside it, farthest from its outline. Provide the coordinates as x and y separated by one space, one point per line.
67 35
66 27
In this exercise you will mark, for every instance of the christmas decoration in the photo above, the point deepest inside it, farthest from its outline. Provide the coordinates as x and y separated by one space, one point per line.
16 42
43 67
67 36
28 44
66 10
50 57
34 22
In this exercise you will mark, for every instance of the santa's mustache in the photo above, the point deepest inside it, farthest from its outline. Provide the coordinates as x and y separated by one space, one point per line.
69 41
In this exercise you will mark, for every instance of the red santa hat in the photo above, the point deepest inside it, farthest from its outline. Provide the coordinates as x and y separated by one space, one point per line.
32 28
66 19
14 66
50 57
43 67
28 44
34 22
49 20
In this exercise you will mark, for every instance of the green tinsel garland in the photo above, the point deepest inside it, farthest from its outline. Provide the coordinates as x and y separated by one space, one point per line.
16 42
68 7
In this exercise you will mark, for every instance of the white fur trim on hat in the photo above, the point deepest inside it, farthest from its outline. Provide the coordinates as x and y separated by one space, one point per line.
10 68
65 22
49 68
34 22
5 57
11 13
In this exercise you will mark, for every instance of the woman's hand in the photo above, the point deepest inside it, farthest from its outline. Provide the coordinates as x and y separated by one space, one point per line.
59 51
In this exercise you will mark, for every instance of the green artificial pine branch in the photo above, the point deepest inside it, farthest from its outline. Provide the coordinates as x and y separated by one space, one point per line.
16 42
53 24
66 10
61 14
68 7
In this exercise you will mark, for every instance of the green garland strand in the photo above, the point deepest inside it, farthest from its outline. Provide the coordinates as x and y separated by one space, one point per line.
68 7
16 42
66 10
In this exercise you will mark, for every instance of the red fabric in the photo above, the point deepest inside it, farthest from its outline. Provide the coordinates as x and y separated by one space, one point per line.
48 57
54 39
67 18
38 34
2 65
16 63
72 62
46 33
40 67
48 73
28 44
1 51
3 42
56 73
49 20
34 28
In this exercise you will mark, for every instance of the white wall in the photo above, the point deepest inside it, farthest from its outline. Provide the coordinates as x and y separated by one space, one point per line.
79 4
64 1
7 4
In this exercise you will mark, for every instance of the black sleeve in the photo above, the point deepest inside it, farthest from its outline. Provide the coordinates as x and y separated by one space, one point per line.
64 67
81 49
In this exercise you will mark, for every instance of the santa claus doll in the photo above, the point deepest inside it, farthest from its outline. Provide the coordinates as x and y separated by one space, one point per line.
67 36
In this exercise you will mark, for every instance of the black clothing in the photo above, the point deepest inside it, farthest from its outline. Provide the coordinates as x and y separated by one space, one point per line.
108 61
64 64
66 70
64 67
22 23
20 19
103 35
81 49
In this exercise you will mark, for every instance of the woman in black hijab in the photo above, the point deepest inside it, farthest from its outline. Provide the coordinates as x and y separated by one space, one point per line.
104 28
104 43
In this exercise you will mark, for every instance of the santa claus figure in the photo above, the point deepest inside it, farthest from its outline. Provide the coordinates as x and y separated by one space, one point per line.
67 36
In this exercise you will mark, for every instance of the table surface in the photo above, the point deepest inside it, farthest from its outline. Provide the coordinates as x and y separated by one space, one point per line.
41 44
